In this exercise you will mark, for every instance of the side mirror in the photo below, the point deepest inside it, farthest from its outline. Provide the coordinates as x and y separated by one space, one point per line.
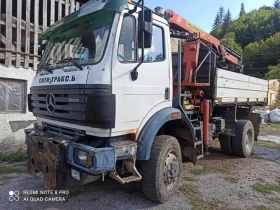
145 26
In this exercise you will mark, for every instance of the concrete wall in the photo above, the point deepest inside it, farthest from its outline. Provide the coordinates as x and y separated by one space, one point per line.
273 92
12 125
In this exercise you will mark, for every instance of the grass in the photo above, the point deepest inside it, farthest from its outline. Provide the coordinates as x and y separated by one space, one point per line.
273 125
270 129
262 207
267 188
11 170
231 179
275 200
18 156
4 178
189 178
192 192
208 168
268 144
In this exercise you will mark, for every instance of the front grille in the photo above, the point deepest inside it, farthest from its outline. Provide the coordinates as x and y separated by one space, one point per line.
70 100
62 131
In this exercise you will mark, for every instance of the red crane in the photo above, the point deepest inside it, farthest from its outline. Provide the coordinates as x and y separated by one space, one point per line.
197 41
192 48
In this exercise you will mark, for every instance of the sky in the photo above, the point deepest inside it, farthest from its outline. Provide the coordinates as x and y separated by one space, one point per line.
202 12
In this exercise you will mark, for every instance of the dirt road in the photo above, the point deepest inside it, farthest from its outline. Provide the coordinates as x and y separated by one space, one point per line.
218 182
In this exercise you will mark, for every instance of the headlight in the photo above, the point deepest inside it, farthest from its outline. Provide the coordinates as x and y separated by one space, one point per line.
83 158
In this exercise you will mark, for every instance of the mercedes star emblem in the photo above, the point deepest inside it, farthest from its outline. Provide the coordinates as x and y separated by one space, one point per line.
50 103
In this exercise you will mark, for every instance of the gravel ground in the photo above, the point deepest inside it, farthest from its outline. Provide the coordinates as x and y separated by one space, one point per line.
272 138
218 182
268 153
100 195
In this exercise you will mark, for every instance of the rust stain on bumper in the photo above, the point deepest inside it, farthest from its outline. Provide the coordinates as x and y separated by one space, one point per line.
47 156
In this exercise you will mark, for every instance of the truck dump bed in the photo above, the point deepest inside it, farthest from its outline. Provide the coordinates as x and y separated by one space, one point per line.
234 87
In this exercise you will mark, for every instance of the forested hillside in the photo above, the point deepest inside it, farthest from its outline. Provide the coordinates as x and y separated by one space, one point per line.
256 35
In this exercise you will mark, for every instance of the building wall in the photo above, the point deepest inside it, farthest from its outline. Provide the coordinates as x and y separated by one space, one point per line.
273 92
12 125
21 24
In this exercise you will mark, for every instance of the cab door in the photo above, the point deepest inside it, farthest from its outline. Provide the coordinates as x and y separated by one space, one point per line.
139 99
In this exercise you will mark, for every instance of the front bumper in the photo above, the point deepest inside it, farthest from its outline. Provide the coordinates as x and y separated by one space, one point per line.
54 157
47 156
103 158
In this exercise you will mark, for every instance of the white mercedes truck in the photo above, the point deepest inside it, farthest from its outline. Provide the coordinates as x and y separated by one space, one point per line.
113 99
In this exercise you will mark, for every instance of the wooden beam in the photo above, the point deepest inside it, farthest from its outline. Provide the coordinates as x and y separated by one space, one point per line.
59 9
23 26
9 35
72 6
52 18
77 6
21 53
19 11
67 7
36 35
45 15
27 35
0 16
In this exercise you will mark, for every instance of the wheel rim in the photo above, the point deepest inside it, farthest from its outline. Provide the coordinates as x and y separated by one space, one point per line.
171 170
249 140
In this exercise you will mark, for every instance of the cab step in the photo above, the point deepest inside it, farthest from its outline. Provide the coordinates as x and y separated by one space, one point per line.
124 180
125 151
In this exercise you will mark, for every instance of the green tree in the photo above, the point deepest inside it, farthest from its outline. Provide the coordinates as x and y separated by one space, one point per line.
229 40
258 56
217 33
227 17
217 23
277 4
226 22
221 14
276 21
256 35
274 72
266 8
242 10
219 19
254 26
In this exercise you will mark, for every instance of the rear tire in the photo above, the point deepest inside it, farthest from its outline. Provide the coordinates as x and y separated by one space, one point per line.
161 173
242 143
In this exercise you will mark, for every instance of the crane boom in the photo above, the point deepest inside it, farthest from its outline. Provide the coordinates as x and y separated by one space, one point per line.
178 23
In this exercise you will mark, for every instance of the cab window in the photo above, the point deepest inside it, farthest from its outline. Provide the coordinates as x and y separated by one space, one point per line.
126 48
156 52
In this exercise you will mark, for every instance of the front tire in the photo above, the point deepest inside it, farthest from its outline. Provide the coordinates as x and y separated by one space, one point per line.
161 173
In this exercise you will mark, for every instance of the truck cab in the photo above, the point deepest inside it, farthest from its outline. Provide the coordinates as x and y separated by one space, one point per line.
98 95
103 96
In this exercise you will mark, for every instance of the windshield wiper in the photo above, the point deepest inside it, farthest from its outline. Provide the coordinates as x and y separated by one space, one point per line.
45 68
79 66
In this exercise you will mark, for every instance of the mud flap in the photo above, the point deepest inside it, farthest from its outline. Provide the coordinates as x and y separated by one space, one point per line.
46 155
226 143
256 119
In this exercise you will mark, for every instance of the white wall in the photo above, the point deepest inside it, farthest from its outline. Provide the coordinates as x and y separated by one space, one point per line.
273 92
9 140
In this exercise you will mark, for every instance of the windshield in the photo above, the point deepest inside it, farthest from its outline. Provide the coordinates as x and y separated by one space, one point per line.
83 40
